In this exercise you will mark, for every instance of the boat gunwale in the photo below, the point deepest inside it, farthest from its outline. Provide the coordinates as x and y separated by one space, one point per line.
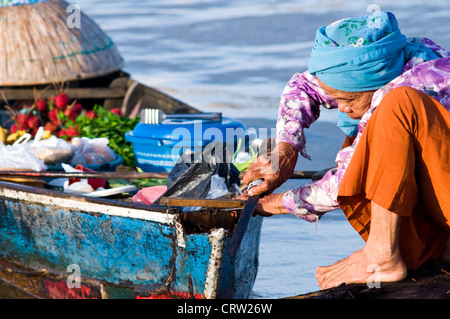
106 206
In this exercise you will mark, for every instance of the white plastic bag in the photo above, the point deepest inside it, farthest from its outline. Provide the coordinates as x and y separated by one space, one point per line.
53 150
92 151
218 187
80 187
19 157
77 187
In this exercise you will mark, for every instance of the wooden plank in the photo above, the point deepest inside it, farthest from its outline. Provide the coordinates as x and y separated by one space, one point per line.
123 175
95 175
76 93
429 281
140 96
201 202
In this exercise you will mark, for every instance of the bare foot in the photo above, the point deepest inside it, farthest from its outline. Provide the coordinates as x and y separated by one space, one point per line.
378 261
362 267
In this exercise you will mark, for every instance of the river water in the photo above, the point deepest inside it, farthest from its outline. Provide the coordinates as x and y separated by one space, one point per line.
235 56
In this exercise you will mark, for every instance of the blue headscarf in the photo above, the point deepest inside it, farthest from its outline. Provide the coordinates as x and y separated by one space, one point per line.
362 54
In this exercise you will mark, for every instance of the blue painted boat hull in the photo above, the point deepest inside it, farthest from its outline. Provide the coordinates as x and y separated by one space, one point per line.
55 245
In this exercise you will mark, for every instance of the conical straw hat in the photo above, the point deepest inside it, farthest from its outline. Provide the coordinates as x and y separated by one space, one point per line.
41 44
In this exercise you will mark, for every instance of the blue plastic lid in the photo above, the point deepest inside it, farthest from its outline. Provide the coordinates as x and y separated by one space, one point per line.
193 130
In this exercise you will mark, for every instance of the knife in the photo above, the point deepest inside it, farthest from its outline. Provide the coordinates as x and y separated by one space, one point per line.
244 220
249 207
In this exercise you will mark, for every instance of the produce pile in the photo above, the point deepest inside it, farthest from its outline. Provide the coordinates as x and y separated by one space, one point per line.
65 119
60 130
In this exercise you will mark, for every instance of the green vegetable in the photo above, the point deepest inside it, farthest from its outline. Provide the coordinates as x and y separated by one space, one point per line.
243 166
141 183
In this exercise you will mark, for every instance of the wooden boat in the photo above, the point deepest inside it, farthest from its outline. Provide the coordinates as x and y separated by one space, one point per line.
116 90
56 245
59 245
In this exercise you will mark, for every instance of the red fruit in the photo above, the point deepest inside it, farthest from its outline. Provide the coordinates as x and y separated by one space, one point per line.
22 121
21 118
42 105
91 115
78 108
116 111
33 122
61 101
13 128
73 112
70 132
52 127
54 117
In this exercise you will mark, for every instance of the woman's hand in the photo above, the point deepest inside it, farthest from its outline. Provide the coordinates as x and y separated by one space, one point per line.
275 168
268 205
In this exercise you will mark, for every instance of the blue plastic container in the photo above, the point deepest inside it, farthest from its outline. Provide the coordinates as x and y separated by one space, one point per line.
158 147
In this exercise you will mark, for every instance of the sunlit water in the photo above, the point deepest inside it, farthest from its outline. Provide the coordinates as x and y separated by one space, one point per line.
235 57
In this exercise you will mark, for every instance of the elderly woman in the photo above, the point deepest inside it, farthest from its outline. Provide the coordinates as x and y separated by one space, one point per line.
393 172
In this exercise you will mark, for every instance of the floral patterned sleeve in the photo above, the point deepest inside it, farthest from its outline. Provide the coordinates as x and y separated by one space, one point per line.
313 199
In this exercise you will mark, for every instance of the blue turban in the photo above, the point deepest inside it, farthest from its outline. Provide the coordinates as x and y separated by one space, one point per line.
362 54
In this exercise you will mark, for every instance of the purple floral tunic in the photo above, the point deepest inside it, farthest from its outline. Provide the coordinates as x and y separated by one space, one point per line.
300 107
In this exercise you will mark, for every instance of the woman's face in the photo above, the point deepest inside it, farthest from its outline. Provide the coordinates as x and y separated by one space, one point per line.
355 104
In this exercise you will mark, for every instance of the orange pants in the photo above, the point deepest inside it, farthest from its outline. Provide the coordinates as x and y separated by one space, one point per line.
402 162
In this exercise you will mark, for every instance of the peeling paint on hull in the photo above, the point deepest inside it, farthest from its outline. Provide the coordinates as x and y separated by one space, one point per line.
55 245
